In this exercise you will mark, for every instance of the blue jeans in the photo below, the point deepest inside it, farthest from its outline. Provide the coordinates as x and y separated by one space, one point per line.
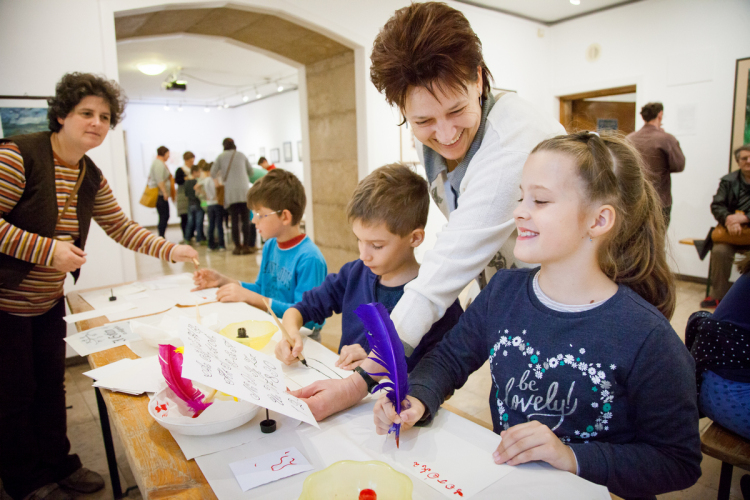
195 223
215 215
726 402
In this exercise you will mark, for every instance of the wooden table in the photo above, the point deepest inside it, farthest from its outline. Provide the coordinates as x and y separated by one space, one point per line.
158 465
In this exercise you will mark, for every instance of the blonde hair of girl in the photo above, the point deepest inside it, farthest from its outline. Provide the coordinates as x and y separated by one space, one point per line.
633 252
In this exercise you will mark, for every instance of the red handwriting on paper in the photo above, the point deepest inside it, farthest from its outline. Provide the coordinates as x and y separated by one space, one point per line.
435 476
277 467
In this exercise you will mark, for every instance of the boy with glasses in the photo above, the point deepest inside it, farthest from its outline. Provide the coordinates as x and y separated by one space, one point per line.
291 263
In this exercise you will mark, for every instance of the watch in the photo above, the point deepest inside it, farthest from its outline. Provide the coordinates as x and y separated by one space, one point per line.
371 382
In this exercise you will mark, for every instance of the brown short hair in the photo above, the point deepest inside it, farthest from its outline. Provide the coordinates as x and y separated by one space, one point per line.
394 195
204 165
162 150
633 252
279 190
651 110
71 90
426 45
744 147
187 155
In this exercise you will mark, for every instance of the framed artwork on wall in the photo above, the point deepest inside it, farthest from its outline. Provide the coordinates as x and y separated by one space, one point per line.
288 156
16 119
299 150
252 159
261 152
741 112
275 157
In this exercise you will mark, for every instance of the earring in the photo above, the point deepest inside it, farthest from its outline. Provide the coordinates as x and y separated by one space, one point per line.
591 239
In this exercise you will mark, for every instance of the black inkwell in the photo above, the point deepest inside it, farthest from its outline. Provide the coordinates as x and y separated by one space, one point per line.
267 426
112 297
241 333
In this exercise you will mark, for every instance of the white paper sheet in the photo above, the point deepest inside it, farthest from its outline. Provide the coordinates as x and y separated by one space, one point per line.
197 446
101 338
199 297
235 369
110 369
95 313
253 472
144 307
139 376
320 365
440 454
100 298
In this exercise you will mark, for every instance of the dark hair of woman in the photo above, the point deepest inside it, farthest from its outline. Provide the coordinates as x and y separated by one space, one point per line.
74 87
428 45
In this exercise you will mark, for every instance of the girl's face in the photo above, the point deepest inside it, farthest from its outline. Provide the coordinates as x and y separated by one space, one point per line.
445 122
552 217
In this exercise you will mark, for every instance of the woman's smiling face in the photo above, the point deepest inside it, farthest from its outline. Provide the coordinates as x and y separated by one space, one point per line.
446 121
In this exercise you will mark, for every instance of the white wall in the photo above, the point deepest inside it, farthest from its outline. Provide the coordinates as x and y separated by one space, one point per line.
679 52
267 123
34 65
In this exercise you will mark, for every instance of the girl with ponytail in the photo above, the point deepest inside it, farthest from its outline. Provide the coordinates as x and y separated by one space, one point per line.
588 374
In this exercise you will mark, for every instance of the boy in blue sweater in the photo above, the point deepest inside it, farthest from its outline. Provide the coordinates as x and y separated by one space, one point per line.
388 212
291 263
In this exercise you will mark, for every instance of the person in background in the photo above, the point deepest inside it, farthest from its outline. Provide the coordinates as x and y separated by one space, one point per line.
195 212
233 170
160 177
731 208
181 201
291 263
719 343
207 189
258 174
587 373
661 152
263 162
44 224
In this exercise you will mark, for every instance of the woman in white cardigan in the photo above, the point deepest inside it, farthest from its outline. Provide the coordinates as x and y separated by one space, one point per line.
428 61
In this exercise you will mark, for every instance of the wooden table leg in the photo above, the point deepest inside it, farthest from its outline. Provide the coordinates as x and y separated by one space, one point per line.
109 447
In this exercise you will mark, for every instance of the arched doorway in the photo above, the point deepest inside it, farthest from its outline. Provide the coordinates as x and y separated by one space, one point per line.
327 69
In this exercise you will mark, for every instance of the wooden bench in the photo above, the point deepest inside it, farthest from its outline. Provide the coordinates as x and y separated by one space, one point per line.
731 449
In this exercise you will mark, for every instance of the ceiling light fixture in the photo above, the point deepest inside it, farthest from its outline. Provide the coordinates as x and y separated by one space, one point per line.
151 69
166 107
207 109
280 88
258 95
245 98
226 105
575 2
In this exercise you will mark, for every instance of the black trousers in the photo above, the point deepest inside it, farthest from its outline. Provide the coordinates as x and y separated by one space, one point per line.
241 216
183 225
162 207
34 446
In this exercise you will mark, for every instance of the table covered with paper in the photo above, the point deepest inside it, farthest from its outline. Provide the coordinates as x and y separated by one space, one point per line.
449 458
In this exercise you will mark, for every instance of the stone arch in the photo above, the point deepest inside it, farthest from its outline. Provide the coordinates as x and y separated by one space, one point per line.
329 76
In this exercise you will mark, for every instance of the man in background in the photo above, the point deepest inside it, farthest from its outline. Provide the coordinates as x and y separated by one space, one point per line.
159 176
661 154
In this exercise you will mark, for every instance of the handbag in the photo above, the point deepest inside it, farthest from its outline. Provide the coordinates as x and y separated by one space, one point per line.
721 235
220 186
150 195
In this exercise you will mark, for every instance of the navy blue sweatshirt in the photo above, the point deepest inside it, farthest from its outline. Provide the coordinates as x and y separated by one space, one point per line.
352 286
615 383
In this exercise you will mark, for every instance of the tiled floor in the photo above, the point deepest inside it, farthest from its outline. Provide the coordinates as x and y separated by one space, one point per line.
83 422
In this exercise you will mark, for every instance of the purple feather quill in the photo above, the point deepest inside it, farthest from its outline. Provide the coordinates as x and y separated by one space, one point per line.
171 367
387 350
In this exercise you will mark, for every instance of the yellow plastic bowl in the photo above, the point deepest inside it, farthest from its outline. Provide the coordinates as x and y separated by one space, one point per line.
346 479
258 333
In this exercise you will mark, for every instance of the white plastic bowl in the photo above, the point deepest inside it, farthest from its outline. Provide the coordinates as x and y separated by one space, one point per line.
179 417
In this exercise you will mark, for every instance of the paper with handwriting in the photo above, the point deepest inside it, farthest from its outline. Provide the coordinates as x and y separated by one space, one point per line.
273 466
101 338
235 369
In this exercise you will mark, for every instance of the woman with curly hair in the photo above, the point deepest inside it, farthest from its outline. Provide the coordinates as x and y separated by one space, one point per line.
49 192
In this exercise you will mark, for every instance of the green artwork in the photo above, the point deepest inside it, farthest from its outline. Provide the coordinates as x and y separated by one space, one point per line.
747 113
18 121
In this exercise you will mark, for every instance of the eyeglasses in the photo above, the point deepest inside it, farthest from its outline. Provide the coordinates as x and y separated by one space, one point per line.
744 159
257 215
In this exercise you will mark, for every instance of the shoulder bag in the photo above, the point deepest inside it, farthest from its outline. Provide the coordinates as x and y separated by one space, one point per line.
220 186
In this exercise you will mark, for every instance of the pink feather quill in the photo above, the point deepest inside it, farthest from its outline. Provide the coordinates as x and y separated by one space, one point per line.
171 367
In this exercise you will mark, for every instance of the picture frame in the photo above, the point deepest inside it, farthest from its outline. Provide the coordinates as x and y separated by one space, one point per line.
288 155
299 150
261 153
22 115
275 157
741 110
